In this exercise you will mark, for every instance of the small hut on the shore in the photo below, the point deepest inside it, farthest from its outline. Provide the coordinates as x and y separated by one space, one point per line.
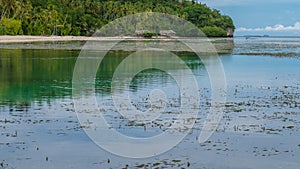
167 33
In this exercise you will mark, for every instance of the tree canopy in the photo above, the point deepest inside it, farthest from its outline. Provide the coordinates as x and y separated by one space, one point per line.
83 17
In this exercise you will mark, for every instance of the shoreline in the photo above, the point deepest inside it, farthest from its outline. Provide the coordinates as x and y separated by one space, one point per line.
5 39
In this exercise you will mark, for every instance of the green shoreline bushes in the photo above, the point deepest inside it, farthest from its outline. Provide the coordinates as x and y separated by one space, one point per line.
10 27
213 31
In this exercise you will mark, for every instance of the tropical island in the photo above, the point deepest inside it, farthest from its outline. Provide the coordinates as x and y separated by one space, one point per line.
84 17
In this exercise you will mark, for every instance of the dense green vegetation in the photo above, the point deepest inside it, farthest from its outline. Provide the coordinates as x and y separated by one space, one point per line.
83 17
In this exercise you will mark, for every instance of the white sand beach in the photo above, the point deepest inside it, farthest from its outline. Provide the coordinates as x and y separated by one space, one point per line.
25 38
28 38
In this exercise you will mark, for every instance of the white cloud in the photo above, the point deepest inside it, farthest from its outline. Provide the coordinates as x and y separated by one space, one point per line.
278 27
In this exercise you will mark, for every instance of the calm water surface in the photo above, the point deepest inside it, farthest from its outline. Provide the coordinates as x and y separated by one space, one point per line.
259 129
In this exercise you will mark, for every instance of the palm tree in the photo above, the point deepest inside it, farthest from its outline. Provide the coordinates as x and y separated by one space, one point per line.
8 6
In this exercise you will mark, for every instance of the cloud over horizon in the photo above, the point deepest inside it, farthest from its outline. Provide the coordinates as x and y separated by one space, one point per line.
275 28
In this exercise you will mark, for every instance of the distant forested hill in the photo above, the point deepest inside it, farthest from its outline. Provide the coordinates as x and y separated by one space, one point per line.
83 17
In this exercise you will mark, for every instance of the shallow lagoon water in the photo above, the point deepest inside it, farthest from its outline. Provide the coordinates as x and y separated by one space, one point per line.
259 128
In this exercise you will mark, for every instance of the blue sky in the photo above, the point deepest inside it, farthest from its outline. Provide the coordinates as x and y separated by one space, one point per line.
260 17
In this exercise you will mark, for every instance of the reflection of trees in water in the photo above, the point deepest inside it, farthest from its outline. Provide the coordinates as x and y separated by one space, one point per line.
29 75
42 75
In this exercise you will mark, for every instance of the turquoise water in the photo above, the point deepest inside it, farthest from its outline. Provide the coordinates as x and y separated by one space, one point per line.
259 128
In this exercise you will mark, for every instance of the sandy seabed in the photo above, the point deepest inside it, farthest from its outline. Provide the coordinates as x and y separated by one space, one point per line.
221 45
